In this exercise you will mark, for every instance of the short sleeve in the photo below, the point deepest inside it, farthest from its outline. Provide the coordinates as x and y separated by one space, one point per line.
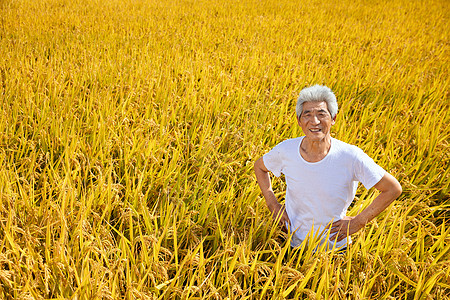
366 170
273 162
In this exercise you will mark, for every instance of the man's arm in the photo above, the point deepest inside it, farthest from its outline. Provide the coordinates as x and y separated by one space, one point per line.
389 189
263 178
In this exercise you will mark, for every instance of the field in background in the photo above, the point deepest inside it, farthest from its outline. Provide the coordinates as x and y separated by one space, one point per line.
129 128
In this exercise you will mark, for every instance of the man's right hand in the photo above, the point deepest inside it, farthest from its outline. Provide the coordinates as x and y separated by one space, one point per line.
279 214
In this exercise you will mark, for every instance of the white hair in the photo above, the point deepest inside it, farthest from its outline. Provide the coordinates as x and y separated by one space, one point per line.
317 93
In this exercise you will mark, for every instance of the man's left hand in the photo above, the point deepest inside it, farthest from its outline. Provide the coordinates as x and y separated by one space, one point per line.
344 228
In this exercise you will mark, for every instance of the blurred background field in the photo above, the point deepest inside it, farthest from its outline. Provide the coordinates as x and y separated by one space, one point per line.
129 129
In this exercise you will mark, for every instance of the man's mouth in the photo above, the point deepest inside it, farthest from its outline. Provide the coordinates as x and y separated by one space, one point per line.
315 130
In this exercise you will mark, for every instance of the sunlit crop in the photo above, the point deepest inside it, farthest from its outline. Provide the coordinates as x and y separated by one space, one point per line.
129 128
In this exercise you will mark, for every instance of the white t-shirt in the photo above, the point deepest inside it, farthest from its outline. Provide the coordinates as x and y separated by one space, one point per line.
319 193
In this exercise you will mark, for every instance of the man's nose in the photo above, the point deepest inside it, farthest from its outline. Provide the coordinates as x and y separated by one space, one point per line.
315 120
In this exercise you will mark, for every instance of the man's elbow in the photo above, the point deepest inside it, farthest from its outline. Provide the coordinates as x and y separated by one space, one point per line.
390 186
396 190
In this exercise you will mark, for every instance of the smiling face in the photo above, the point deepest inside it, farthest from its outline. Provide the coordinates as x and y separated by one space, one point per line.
316 120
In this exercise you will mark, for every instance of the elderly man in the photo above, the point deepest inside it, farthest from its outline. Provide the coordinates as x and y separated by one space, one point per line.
322 175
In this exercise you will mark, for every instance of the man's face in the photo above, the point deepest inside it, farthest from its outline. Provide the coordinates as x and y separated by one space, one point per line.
316 120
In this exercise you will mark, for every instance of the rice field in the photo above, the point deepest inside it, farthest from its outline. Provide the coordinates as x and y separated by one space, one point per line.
129 129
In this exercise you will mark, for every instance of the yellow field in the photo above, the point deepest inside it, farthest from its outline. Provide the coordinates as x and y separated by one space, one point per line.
129 129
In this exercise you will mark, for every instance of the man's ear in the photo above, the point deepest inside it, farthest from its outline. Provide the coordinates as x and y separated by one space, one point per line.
333 119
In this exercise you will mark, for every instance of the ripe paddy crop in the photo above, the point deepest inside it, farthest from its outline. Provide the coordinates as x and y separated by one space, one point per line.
129 131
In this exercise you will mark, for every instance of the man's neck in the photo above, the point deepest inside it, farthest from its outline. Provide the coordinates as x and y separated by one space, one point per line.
314 151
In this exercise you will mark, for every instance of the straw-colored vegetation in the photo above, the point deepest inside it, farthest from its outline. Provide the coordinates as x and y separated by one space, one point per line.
129 129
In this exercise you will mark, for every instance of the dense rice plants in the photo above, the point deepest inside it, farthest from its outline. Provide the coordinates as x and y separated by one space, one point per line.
129 129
